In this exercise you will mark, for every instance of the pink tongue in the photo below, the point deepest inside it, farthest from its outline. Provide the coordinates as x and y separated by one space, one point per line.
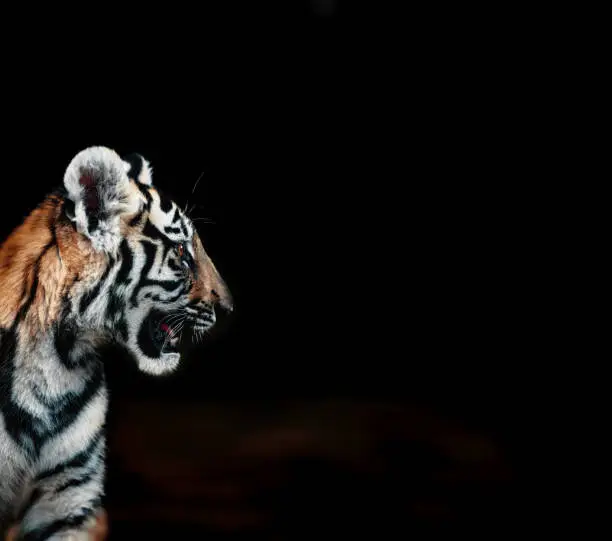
165 328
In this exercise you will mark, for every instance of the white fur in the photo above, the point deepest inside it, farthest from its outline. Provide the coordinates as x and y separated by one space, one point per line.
60 448
48 375
114 191
17 468
158 367
14 470
146 174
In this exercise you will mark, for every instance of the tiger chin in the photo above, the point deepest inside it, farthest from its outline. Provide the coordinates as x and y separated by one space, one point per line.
106 258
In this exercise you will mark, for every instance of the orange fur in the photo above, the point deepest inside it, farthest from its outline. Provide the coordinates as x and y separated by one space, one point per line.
29 254
209 279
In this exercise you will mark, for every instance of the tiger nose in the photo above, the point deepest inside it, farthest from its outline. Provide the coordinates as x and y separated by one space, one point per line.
224 299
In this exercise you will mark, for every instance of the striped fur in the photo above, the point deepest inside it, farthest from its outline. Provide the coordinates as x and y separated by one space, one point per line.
105 259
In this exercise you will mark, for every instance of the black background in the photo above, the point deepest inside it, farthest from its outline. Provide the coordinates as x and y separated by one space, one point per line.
359 219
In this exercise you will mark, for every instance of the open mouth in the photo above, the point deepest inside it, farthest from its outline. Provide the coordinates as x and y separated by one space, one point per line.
157 336
164 338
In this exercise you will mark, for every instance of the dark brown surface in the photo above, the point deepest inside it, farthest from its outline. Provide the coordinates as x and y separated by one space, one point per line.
294 469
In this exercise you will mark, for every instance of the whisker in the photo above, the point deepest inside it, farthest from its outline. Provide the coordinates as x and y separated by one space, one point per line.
196 334
165 343
181 335
173 318
174 314
205 220
193 191
175 330
172 333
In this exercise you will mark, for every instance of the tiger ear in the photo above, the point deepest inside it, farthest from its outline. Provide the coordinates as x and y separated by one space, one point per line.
139 169
97 183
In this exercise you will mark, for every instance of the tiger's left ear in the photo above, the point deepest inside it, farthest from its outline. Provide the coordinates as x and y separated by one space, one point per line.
97 183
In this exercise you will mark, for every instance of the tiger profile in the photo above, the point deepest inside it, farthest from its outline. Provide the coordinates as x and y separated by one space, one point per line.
104 259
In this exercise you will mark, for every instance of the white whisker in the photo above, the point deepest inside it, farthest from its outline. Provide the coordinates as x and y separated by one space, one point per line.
205 220
173 318
193 191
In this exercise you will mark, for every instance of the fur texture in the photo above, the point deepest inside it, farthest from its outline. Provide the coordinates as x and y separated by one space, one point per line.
106 259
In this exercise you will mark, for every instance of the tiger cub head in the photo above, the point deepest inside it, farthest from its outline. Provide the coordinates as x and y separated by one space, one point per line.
157 280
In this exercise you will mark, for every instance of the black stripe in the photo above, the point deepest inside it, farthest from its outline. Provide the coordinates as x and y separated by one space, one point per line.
115 307
172 230
92 223
167 285
77 461
93 465
45 532
165 204
122 329
177 215
81 460
54 241
77 480
136 219
33 289
65 411
34 496
149 250
136 163
127 261
19 423
23 427
89 297
144 191
69 209
155 234
183 228
158 297
30 432
171 299
65 335
192 264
